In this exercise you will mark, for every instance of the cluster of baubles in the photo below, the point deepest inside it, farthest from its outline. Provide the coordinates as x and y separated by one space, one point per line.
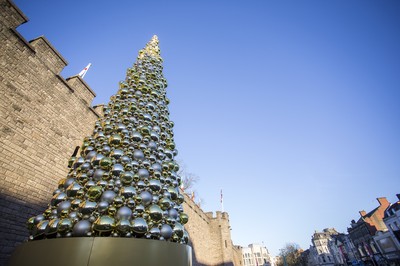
125 181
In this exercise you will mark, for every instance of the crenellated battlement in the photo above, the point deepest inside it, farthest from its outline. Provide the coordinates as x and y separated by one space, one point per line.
44 117
210 234
11 15
42 50
48 54
82 89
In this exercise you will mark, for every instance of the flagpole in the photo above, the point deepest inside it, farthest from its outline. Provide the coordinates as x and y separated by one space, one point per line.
222 202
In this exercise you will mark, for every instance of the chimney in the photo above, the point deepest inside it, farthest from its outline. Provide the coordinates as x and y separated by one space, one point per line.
362 213
398 196
383 201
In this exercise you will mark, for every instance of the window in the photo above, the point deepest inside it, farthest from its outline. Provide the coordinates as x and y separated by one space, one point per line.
374 249
361 251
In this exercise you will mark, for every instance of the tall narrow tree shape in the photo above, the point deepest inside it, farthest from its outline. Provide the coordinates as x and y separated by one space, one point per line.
124 182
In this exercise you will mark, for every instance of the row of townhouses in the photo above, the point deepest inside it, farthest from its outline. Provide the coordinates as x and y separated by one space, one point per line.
374 239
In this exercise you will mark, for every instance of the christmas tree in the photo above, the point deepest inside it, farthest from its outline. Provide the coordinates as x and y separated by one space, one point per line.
124 181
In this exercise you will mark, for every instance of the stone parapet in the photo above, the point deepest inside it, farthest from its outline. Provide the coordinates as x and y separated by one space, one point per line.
82 89
42 119
11 15
209 234
48 54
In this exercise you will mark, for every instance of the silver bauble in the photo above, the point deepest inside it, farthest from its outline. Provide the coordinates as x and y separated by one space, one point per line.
73 189
98 174
138 155
117 154
136 136
155 213
108 196
64 226
51 228
143 173
87 207
139 226
152 146
166 231
178 229
104 223
147 198
90 155
57 198
81 228
68 182
154 185
63 206
124 226
173 213
155 232
117 169
102 206
128 192
124 213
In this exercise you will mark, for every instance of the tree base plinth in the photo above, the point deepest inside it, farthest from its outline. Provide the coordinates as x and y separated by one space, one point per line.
99 251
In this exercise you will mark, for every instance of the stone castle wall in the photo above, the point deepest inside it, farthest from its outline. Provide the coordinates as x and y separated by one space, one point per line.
210 236
43 117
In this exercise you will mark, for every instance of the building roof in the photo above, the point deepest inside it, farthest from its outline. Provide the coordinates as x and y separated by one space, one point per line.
392 208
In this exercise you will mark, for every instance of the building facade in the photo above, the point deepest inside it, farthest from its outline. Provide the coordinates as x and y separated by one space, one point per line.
321 249
256 255
361 232
43 118
345 250
389 242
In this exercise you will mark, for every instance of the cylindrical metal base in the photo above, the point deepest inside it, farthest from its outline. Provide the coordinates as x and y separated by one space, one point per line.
99 251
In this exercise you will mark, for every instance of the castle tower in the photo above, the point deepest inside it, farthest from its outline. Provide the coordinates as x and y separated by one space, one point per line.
122 182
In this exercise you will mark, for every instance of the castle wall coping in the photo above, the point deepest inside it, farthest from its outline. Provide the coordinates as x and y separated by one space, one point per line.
83 82
19 12
65 82
94 111
72 90
21 38
47 42
99 109
191 204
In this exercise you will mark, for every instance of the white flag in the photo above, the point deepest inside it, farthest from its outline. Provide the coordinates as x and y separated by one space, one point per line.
83 72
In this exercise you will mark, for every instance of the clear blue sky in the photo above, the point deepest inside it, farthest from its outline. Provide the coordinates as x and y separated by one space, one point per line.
291 107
